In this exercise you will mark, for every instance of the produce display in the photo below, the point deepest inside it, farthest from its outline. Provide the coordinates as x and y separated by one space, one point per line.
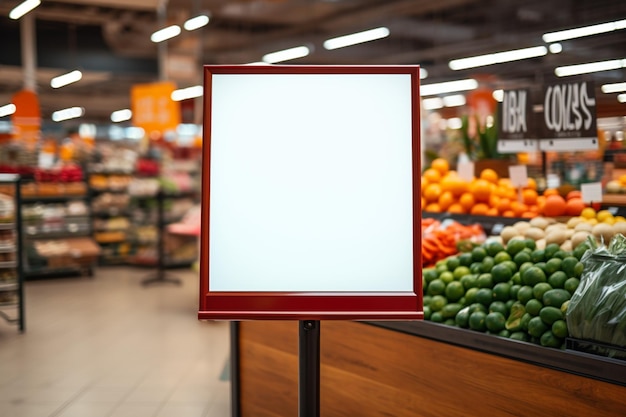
515 289
440 240
617 186
443 190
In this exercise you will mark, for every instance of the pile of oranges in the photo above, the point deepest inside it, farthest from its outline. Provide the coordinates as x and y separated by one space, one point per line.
488 195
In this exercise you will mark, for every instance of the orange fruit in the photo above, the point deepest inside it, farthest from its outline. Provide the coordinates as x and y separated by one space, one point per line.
503 205
456 208
432 192
492 212
508 213
494 200
490 175
574 206
424 183
555 206
480 209
467 201
432 175
529 214
505 182
574 194
433 207
454 184
529 196
440 165
550 191
445 200
534 209
518 208
423 202
531 184
481 189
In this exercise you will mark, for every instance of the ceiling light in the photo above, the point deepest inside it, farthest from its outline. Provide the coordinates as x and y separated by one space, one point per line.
7 109
423 73
497 58
590 67
454 123
432 103
613 88
555 48
621 98
165 34
498 95
356 38
196 22
583 31
187 93
121 115
448 87
23 8
65 79
66 114
286 54
455 100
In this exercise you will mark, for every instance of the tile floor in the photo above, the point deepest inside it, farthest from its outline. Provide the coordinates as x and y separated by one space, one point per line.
108 346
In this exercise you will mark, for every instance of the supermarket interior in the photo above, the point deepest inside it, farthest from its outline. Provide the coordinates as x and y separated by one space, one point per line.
516 190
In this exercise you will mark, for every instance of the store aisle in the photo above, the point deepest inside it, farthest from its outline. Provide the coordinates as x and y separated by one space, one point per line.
109 347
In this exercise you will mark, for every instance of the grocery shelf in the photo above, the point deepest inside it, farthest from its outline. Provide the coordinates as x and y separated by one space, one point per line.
8 264
9 286
7 226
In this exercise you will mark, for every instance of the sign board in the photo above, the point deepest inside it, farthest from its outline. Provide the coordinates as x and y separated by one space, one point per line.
153 108
569 117
311 193
27 118
515 122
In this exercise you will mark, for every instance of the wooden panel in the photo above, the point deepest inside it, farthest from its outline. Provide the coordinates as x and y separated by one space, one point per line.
370 371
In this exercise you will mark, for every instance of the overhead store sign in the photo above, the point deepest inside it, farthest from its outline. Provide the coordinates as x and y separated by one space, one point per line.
516 131
311 193
27 117
568 122
153 108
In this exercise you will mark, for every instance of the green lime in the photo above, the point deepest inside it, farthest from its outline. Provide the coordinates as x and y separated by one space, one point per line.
495 321
551 249
427 312
485 281
501 257
523 267
513 291
555 297
477 307
454 291
537 256
449 322
493 247
530 244
536 327
450 310
476 268
549 339
436 317
501 291
501 273
571 285
484 296
568 265
559 328
426 299
533 275
429 274
477 321
524 322
469 281
487 264
504 333
500 307
578 270
452 263
441 269
580 250
521 257
540 289
557 279
513 322
460 272
462 317
465 259
553 265
436 287
438 302
551 314
514 246
533 307
564 307
478 253
510 302
470 295
524 294
542 266
512 266
520 336
516 278
561 254
447 277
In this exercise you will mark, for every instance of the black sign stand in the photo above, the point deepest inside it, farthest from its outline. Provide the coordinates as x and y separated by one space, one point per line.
309 369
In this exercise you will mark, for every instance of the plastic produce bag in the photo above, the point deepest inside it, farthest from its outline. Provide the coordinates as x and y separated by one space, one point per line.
597 309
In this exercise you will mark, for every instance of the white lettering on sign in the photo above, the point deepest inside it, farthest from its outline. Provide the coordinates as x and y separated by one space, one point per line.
566 107
514 112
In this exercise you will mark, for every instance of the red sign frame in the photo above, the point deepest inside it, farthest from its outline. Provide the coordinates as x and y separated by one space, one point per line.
405 305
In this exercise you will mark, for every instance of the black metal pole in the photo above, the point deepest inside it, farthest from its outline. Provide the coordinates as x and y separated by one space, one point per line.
309 369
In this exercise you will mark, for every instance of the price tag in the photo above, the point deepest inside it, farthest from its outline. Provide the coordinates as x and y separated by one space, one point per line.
591 192
497 229
518 175
613 210
465 170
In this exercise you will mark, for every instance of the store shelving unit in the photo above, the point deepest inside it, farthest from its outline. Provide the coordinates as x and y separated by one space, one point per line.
11 276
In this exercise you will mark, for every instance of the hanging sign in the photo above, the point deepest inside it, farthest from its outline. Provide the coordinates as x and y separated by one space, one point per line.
153 108
27 118
311 193
569 117
515 123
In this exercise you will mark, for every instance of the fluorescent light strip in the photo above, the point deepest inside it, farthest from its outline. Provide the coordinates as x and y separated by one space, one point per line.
121 115
497 58
432 103
498 95
613 88
7 109
455 100
423 73
66 114
555 48
621 98
584 31
196 22
65 79
356 38
187 93
165 34
448 87
590 67
23 8
286 54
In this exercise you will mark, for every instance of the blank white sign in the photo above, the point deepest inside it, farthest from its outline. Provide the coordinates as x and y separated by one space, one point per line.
311 183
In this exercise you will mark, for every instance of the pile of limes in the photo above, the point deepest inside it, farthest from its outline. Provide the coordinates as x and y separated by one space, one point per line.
518 291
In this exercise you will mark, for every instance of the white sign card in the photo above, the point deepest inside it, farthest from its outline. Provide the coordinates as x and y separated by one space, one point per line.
518 175
591 192
465 170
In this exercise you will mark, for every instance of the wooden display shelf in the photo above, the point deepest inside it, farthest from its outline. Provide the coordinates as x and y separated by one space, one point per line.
614 199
